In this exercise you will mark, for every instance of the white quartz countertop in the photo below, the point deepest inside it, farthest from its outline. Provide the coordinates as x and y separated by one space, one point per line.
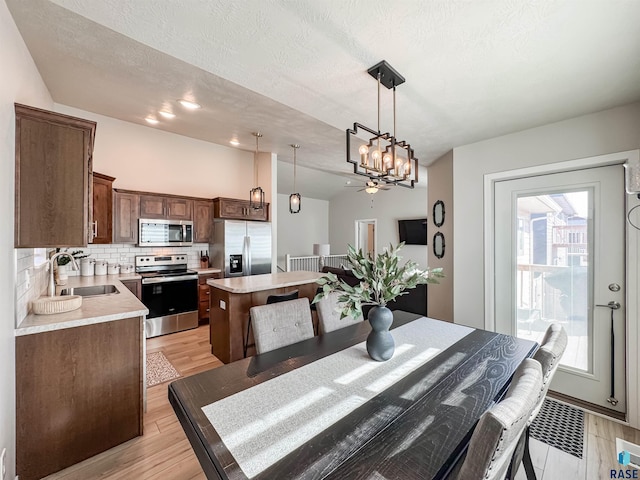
256 283
98 309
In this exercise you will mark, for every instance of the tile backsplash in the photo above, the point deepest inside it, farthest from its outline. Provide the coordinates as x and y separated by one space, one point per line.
31 281
124 253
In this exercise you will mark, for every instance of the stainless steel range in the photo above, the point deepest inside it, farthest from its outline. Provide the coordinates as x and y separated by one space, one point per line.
170 292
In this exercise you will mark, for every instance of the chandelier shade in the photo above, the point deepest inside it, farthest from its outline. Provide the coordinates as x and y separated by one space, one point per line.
381 156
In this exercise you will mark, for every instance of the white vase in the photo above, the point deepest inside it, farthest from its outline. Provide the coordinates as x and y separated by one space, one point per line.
62 274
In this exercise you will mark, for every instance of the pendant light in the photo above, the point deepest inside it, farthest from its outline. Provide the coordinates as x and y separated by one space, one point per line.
256 194
294 199
383 158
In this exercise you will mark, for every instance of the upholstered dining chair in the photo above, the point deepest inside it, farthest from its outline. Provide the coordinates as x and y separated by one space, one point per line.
275 298
497 434
548 355
279 324
329 315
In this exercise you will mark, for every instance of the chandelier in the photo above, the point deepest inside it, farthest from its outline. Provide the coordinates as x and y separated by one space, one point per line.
295 200
382 157
256 194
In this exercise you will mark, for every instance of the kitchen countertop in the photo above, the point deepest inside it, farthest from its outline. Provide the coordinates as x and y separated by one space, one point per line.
256 283
205 271
98 309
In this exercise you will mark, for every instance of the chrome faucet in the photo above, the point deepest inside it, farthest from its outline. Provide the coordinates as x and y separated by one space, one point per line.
52 284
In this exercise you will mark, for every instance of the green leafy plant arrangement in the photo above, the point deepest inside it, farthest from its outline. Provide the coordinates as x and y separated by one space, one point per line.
63 260
382 279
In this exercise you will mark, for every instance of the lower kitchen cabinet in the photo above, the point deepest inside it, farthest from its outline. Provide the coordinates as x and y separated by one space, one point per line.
79 392
135 286
203 296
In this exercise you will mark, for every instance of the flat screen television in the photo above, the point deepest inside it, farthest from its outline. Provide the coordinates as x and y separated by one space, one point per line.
413 232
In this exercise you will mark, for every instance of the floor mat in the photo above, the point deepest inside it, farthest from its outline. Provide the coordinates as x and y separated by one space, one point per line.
159 369
560 426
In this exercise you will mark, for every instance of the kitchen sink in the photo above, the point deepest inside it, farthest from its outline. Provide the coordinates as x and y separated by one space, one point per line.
91 291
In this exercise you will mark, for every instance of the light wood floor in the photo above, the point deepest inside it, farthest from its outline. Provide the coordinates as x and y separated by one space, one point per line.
164 452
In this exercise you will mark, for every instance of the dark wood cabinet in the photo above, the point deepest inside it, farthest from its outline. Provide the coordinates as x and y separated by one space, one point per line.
53 192
233 208
170 208
135 286
204 294
102 208
79 392
202 220
126 208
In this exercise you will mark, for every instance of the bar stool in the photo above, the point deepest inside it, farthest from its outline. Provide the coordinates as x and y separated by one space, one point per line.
275 298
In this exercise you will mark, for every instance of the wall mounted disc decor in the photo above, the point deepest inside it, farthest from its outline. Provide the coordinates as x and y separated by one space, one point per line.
438 245
438 213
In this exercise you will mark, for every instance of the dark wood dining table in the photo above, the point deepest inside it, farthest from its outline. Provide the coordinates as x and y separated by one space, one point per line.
388 437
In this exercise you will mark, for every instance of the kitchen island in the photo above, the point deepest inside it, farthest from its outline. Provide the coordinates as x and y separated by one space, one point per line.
231 299
79 379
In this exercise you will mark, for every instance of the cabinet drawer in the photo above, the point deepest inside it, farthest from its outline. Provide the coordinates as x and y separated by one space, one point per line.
203 293
203 310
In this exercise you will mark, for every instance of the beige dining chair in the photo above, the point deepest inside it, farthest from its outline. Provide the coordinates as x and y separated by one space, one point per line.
281 324
329 314
497 434
273 298
548 355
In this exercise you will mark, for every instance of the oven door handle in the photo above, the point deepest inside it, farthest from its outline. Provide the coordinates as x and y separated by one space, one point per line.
180 278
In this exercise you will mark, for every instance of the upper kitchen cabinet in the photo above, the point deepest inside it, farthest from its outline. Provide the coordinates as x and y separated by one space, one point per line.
202 220
126 211
53 206
232 208
170 208
102 208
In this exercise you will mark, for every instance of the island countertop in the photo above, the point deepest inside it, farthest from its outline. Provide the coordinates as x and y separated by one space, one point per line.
269 281
101 308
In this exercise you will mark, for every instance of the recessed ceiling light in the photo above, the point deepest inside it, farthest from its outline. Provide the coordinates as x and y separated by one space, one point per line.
188 104
234 142
348 182
152 120
167 114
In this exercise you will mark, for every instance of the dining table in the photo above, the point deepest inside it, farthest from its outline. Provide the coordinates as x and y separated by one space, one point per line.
322 409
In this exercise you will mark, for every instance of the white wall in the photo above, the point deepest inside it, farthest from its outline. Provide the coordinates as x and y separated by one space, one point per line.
298 232
20 82
609 131
387 207
151 160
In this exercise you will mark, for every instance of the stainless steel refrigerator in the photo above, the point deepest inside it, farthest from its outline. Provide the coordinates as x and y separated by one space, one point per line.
241 247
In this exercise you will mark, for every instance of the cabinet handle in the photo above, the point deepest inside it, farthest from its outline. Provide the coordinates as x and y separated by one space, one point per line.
208 292
208 309
95 228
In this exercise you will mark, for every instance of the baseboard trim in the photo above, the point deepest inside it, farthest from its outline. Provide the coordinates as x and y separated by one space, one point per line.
590 407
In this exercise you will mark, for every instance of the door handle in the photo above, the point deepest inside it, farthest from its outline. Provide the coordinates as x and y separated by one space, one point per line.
612 305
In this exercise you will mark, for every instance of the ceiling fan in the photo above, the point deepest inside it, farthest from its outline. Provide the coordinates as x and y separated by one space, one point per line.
370 187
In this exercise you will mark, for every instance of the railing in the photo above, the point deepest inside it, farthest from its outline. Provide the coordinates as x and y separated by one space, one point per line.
311 263
552 292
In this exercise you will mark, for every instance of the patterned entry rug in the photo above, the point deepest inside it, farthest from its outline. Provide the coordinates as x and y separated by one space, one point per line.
560 426
159 369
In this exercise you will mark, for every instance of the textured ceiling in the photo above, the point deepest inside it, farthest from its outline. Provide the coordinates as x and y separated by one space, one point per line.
296 70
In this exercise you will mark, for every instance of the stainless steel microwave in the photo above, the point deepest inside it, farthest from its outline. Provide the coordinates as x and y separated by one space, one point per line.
165 233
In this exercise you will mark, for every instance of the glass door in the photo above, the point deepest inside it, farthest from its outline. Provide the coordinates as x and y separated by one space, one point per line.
559 257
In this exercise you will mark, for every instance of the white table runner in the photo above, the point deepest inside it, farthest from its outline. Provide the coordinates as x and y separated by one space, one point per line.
264 423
